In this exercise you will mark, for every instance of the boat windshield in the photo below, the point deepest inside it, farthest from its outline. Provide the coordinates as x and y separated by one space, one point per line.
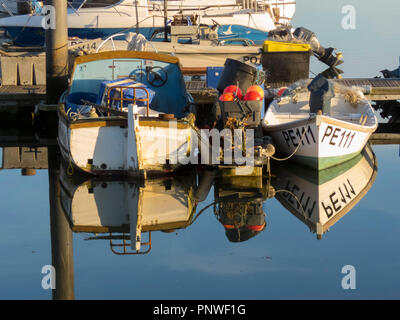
77 4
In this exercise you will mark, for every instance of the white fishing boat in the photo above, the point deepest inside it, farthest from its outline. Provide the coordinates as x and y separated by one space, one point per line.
90 19
320 140
321 198
126 212
126 112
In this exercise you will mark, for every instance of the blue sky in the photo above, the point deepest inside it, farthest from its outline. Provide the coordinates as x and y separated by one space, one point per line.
371 47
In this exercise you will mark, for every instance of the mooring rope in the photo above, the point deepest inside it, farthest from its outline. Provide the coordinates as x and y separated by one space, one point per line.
294 196
298 146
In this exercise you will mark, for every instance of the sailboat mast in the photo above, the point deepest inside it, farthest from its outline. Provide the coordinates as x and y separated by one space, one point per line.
165 20
137 17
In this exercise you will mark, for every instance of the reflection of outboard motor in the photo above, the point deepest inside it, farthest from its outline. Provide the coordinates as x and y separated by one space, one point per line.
321 95
242 220
326 55
239 204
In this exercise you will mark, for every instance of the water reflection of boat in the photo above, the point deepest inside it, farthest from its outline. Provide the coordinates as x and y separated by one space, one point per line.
121 210
321 198
239 205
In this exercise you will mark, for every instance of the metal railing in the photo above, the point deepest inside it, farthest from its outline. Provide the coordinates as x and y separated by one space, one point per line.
122 99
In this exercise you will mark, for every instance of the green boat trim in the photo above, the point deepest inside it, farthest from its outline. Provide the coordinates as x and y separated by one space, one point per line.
322 163
319 177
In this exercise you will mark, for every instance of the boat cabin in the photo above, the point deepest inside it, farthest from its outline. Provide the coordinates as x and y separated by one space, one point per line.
113 80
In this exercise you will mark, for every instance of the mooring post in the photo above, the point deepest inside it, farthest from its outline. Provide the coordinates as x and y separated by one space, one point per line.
165 20
61 235
56 49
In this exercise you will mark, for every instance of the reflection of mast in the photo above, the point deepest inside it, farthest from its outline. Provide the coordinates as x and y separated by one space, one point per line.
61 235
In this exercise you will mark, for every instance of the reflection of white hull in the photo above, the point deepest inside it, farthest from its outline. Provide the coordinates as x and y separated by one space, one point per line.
109 206
327 195
320 141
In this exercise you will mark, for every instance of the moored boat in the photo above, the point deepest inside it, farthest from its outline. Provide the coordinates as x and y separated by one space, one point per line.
320 138
126 112
90 19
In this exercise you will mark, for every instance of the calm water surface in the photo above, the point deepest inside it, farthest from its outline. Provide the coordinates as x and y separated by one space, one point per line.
283 259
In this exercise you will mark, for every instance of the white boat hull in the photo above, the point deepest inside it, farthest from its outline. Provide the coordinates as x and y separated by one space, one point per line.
324 142
234 21
102 148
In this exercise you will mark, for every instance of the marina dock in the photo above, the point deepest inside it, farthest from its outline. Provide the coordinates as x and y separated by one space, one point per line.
376 89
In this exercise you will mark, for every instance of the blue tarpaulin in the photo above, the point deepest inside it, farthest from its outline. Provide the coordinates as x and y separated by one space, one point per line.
128 92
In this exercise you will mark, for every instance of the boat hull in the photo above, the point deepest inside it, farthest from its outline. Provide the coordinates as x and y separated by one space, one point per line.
100 146
35 36
319 142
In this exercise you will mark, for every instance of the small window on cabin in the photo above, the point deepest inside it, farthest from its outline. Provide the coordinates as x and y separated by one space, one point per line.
92 3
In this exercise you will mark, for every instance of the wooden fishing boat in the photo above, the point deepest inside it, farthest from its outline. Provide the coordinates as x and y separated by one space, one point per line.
320 140
320 198
126 112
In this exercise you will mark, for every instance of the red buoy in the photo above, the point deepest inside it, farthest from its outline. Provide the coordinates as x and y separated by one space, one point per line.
235 90
256 89
253 96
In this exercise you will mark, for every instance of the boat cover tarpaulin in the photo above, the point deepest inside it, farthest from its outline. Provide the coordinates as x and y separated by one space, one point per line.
129 84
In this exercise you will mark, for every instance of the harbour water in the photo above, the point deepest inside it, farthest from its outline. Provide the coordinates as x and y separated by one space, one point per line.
198 258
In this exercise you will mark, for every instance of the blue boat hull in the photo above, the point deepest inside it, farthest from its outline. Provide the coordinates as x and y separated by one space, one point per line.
27 36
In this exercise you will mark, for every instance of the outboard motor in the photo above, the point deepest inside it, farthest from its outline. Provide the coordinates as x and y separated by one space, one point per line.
387 74
303 35
321 95
326 55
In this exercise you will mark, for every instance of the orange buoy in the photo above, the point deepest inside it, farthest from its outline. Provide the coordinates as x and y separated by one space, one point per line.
257 89
235 90
226 97
253 96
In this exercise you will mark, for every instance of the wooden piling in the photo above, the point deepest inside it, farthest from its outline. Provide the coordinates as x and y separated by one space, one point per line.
165 20
57 52
61 234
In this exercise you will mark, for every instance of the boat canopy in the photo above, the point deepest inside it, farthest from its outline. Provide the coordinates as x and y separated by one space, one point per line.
159 72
